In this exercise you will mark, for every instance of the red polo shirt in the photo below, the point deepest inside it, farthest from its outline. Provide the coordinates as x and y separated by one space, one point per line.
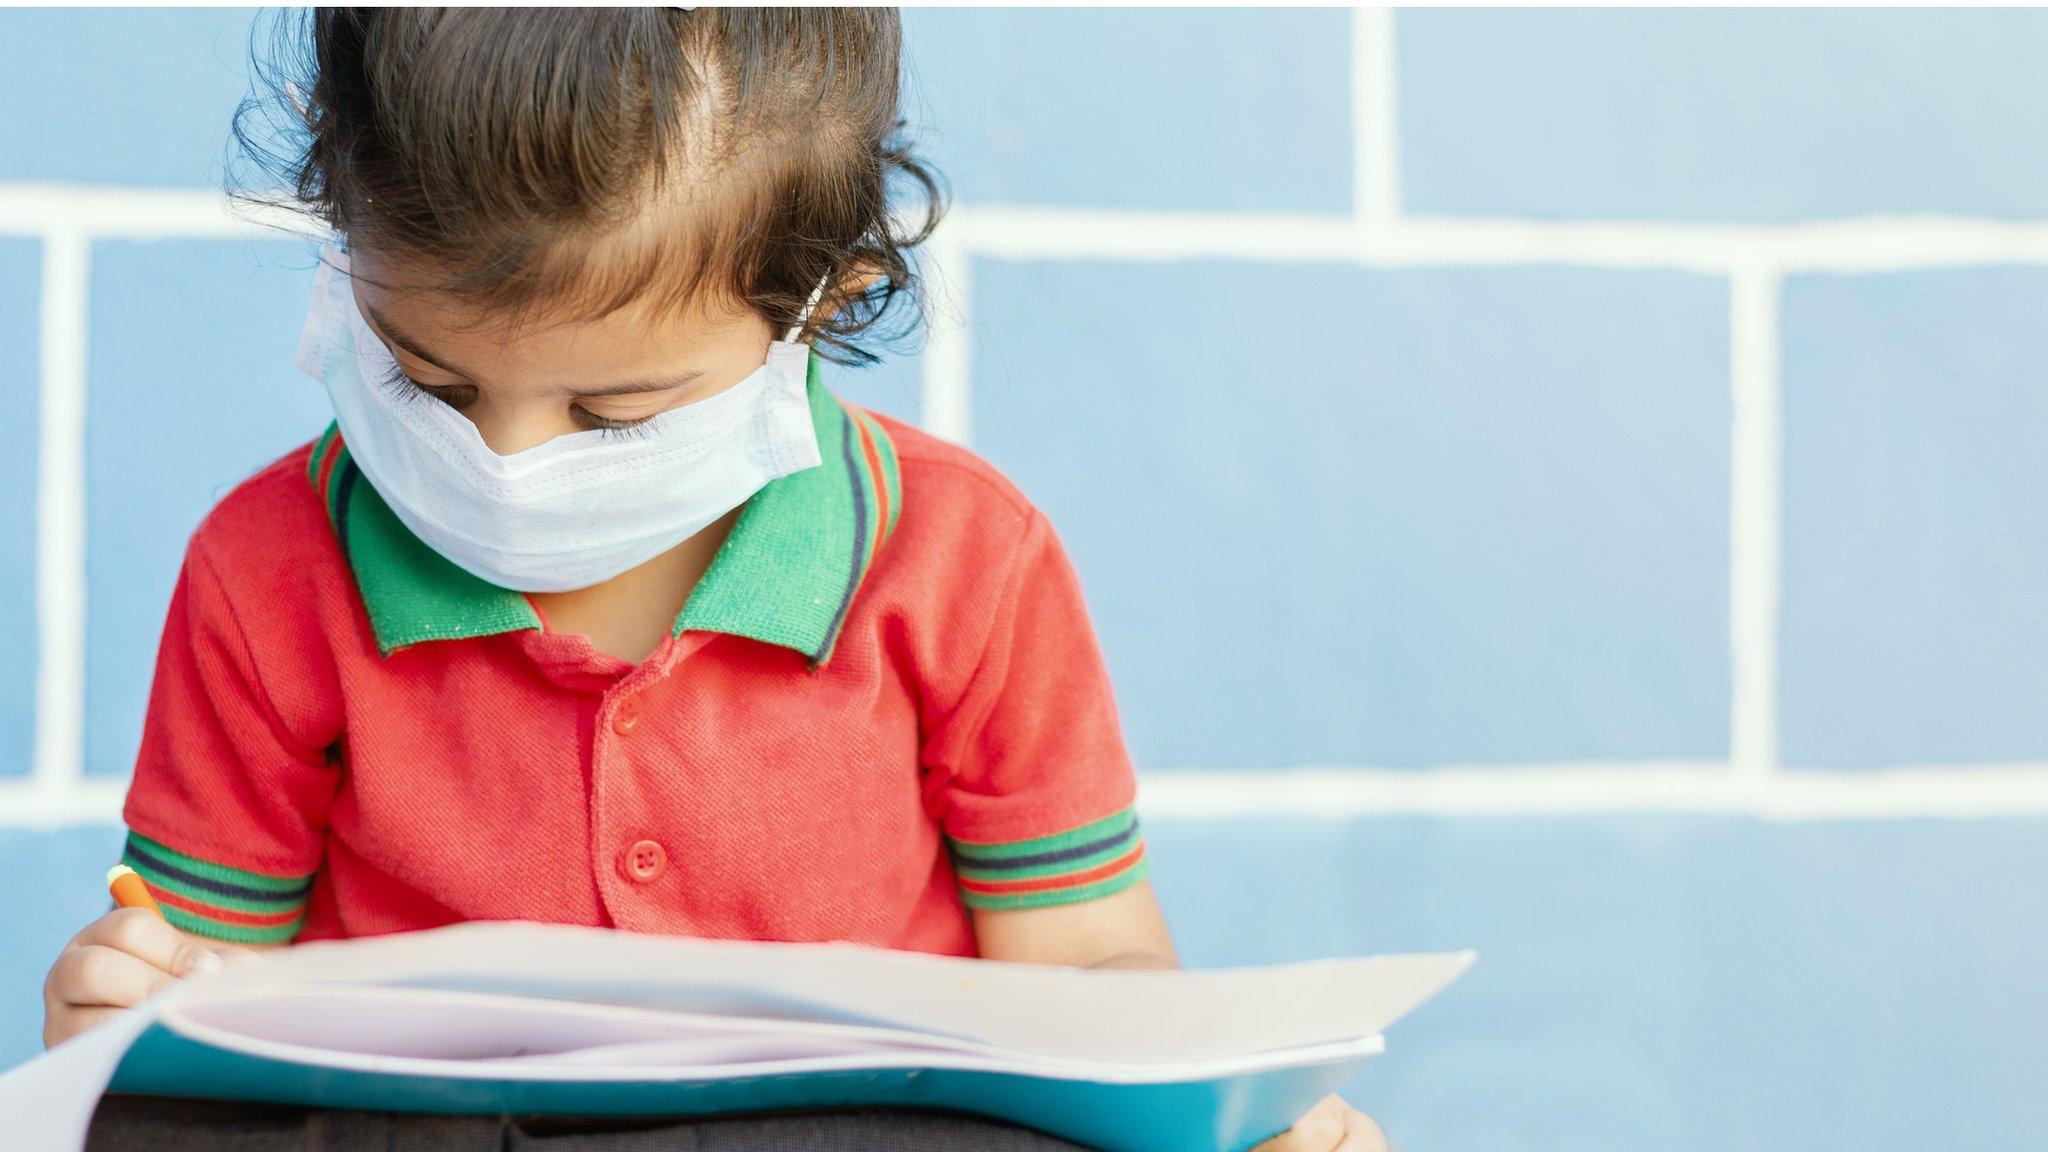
881 705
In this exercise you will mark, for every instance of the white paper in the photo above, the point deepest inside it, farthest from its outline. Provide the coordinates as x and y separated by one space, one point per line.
435 1033
1113 1015
48 1102
527 1001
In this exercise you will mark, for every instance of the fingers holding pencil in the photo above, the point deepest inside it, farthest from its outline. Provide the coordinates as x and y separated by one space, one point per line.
122 959
145 932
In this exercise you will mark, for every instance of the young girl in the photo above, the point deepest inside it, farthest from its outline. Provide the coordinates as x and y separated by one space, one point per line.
594 606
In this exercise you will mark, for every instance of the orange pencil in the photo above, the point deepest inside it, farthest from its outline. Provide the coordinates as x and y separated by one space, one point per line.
128 889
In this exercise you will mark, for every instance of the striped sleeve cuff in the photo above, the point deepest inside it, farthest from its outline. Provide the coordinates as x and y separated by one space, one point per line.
1087 863
217 901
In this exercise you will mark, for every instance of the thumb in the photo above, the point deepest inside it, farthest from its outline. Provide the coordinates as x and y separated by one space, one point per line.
193 959
232 957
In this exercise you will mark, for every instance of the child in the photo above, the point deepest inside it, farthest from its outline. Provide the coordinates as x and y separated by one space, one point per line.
594 606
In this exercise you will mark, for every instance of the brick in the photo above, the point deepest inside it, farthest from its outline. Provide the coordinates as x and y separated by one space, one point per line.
1716 114
120 96
1689 984
1915 607
1332 515
1134 108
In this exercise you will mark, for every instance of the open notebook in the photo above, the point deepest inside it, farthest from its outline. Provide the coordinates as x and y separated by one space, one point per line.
523 1018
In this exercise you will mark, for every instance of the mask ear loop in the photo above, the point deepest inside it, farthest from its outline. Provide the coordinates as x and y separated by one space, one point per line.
804 317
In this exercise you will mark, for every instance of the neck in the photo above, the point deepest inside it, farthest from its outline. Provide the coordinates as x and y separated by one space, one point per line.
629 615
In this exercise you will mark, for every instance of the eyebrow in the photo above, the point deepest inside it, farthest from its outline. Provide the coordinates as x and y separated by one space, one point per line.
629 387
624 388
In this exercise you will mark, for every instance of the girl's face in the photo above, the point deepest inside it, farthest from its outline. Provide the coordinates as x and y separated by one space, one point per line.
522 387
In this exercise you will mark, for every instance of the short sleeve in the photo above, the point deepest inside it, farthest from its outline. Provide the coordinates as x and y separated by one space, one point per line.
1038 784
228 809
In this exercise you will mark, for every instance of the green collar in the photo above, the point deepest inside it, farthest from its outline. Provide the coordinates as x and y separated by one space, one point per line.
785 576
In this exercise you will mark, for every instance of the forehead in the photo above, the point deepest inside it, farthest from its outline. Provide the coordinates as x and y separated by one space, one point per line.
408 300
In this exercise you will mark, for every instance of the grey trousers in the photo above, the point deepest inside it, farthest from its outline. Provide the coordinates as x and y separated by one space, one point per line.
156 1124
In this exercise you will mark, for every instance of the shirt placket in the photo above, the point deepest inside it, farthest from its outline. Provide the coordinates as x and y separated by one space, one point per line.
633 843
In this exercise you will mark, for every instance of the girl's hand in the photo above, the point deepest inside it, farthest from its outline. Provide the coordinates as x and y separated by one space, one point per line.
120 960
1330 1126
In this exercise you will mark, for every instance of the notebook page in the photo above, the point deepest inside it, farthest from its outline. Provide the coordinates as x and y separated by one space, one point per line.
432 1033
49 1101
1114 1016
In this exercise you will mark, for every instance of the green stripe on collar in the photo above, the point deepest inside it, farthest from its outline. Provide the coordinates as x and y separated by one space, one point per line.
786 576
788 572
411 592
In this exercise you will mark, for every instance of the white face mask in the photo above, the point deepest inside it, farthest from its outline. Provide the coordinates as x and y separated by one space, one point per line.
578 509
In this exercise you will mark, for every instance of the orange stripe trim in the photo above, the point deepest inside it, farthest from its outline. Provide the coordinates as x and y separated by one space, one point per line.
880 482
327 466
319 454
1051 883
225 915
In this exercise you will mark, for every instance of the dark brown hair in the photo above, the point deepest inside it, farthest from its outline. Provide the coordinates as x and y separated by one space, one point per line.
576 160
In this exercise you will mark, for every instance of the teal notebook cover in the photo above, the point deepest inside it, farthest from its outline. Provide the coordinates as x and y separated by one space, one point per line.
1218 1115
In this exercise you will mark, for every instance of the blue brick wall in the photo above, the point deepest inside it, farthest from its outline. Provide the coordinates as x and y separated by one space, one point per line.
1349 510
165 375
124 97
1663 982
1708 115
1389 539
1916 528
1136 108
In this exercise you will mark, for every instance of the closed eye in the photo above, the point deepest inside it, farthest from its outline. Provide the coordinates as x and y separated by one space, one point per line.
460 396
624 429
456 396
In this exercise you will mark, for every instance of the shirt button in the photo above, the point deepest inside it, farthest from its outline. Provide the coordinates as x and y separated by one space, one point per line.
627 716
645 861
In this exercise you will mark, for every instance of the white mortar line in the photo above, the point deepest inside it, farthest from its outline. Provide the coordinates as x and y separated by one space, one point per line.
1375 120
1870 244
1863 244
60 515
1554 790
1025 233
948 405
25 804
1756 527
33 209
1586 790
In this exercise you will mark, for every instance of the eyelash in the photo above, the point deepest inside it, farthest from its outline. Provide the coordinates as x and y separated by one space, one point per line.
616 429
402 387
409 390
